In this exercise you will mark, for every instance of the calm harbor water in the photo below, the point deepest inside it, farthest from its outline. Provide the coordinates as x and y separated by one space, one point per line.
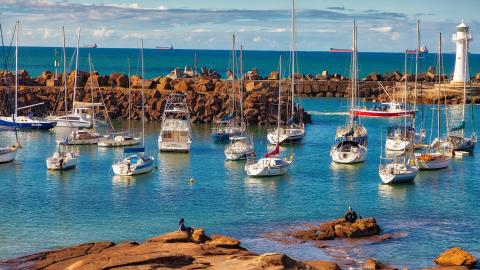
42 209
161 62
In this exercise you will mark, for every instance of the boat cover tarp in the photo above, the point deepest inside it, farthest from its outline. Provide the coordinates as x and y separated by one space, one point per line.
134 150
229 117
459 127
275 152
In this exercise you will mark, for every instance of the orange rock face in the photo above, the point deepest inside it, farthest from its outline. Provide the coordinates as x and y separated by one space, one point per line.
456 257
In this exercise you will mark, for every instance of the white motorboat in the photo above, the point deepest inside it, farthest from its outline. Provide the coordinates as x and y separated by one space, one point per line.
8 153
239 148
78 119
175 134
138 162
397 172
64 159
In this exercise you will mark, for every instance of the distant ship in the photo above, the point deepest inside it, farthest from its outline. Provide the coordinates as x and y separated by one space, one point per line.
340 50
422 50
165 48
91 46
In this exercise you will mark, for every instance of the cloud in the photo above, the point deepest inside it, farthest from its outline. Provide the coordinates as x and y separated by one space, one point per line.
257 39
201 30
278 30
326 30
211 40
336 8
125 6
382 29
102 32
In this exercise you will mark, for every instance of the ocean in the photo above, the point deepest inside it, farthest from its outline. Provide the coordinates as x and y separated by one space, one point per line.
43 210
161 62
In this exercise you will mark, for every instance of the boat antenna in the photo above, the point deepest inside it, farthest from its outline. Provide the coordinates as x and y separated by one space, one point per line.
143 99
76 68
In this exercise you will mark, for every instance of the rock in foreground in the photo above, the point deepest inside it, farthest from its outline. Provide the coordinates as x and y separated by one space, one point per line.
339 228
456 257
176 250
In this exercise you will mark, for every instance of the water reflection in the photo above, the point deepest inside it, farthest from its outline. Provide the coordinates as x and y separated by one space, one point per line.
123 181
397 191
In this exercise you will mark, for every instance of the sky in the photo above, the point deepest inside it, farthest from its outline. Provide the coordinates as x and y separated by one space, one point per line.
383 25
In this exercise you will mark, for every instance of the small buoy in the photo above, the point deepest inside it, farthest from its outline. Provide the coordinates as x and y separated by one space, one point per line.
191 180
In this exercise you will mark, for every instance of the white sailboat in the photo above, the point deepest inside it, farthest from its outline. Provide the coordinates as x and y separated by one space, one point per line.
400 138
292 132
400 169
121 139
16 121
228 126
351 139
240 147
138 162
176 133
78 117
438 156
64 158
271 164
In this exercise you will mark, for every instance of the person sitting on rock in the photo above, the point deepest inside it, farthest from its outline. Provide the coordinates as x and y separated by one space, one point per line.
183 228
350 215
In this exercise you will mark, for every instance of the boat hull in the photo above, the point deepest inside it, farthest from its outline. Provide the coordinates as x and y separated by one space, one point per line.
433 164
262 169
289 136
177 147
55 165
7 155
369 113
122 168
397 173
348 157
117 143
397 145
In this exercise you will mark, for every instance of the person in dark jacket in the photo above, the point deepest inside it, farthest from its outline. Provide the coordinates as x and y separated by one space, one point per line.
350 215
183 228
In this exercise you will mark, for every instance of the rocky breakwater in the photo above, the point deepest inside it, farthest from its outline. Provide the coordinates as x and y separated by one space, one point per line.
208 97
175 250
339 228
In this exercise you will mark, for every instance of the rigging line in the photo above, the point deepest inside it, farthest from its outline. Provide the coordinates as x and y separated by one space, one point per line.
101 97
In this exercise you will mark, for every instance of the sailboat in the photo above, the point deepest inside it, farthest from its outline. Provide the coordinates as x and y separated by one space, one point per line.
292 132
121 139
400 138
400 169
23 122
79 117
439 156
418 136
86 136
351 139
64 158
457 137
240 147
138 162
271 164
175 134
228 126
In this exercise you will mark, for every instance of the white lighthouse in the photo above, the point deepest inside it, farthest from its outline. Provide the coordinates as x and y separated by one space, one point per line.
461 38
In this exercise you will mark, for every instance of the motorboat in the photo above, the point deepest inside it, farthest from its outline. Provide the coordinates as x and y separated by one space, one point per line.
175 133
120 140
385 109
83 137
239 148
63 160
134 164
287 135
8 153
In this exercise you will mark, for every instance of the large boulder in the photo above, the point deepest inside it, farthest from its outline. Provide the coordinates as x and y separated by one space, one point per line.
323 265
223 241
172 237
339 229
456 257
372 264
118 80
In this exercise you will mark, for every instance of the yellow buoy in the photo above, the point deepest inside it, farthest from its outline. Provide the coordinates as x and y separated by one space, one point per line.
191 180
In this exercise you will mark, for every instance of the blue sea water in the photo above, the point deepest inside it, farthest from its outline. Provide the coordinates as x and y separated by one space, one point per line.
41 209
161 62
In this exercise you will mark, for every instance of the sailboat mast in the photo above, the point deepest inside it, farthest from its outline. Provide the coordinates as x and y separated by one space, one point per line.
279 98
16 68
129 99
465 78
353 71
405 102
416 70
143 101
76 69
293 57
65 72
233 73
241 84
91 88
439 83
